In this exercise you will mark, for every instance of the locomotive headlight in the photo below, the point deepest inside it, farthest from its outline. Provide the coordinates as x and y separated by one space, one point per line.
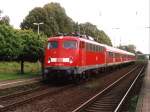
49 60
70 60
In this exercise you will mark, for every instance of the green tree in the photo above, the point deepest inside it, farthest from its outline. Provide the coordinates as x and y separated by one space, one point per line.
54 18
90 29
4 19
10 43
104 38
20 45
140 55
129 48
32 46
36 15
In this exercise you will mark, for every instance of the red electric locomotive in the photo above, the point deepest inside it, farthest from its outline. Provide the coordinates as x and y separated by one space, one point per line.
74 55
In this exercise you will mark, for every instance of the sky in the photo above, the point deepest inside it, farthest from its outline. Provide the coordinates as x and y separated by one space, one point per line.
124 21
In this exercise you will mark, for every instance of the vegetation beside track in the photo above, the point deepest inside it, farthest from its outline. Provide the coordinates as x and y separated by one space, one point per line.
11 70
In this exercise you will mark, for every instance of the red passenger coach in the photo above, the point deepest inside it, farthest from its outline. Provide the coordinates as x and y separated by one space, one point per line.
74 55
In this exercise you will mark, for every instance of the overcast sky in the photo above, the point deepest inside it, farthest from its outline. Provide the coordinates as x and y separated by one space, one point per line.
130 16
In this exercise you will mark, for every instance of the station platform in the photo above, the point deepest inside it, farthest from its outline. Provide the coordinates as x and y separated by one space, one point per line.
143 104
18 82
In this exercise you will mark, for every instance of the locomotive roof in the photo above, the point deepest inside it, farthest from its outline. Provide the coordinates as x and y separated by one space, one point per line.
108 48
63 37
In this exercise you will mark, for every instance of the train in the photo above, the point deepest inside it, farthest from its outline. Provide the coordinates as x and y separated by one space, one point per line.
74 56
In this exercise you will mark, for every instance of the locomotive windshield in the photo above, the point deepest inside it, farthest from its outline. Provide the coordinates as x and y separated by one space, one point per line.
70 44
52 44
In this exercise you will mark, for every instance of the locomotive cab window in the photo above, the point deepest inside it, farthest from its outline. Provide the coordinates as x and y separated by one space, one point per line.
52 44
70 44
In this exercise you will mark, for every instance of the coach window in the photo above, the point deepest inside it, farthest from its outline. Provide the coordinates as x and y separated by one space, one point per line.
70 44
97 48
88 47
52 44
94 48
102 49
116 55
91 47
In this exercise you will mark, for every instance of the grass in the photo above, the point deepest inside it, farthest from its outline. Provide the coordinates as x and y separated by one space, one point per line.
11 70
133 104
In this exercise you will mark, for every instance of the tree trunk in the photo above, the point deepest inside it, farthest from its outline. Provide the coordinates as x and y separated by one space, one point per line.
22 67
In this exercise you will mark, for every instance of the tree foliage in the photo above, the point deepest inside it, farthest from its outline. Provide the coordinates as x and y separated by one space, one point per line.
90 29
4 19
141 56
54 18
31 45
20 45
10 43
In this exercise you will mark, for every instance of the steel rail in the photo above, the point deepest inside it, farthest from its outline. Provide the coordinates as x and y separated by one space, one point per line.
91 100
126 94
24 101
23 92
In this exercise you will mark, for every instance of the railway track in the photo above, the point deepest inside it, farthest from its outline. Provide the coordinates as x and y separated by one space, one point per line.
14 100
25 92
113 96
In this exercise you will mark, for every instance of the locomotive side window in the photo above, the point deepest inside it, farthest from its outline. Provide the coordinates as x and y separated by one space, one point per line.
97 48
52 44
82 45
117 55
94 48
90 47
87 46
69 44
100 49
111 54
